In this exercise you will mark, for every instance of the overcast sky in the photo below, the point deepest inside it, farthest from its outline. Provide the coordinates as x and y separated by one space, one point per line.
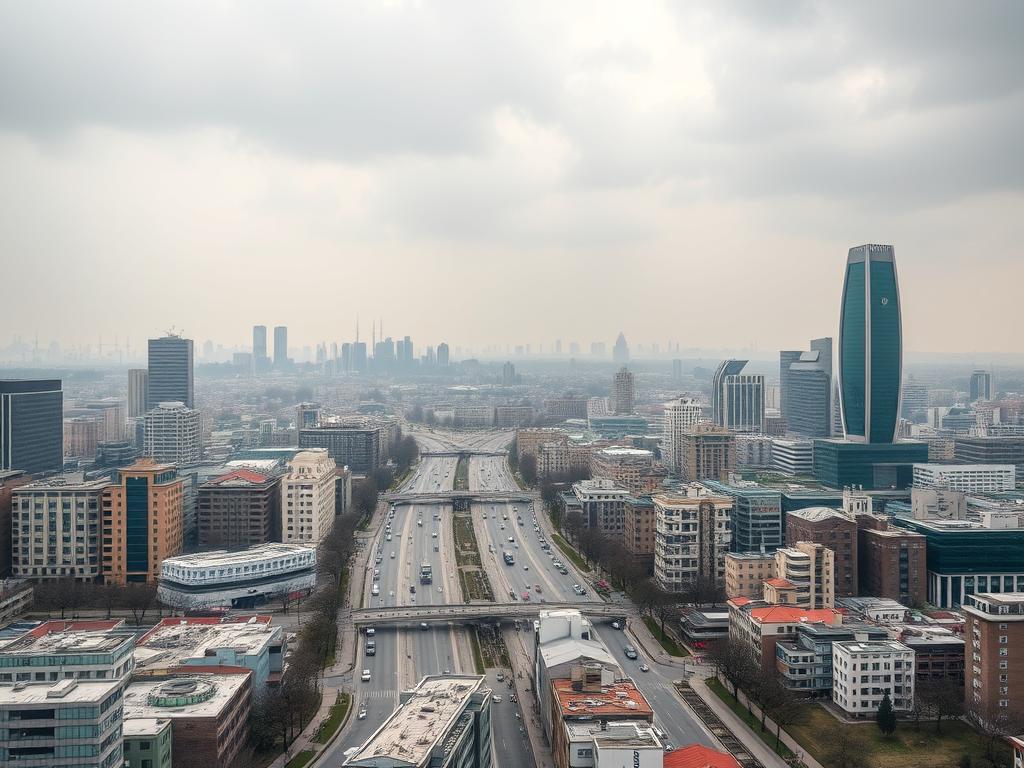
509 172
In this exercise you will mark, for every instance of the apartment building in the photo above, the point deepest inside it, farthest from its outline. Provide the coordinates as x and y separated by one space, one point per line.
835 530
804 576
994 661
746 572
307 497
863 672
709 453
760 625
692 537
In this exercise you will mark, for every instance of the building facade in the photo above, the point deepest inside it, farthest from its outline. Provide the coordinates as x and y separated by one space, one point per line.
692 537
170 372
832 529
623 396
709 453
969 478
31 425
239 509
602 503
746 572
863 672
361 446
994 661
307 497
639 524
138 392
806 380
737 399
680 415
173 434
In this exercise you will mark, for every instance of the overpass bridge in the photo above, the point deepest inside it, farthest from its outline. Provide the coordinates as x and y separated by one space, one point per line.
463 454
412 615
458 499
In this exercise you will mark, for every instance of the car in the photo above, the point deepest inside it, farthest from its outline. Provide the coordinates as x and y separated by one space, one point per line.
512 594
511 538
500 677
630 652
564 571
392 555
379 559
644 668
389 537
526 567
536 588
365 676
616 625
376 573
375 590
433 535
391 593
496 699
503 526
512 698
583 591
424 626
412 589
370 631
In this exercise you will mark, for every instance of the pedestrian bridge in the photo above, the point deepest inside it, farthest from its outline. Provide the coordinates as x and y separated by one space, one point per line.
458 498
434 614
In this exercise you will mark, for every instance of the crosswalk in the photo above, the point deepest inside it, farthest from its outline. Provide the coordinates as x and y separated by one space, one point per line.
384 693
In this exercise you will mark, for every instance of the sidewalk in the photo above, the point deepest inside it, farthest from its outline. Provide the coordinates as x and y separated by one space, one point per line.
636 628
520 659
749 738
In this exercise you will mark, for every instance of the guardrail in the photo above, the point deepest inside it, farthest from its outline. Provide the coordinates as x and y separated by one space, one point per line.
434 614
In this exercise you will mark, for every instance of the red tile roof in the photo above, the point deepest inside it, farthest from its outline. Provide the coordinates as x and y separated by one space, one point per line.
785 614
782 583
739 601
241 474
699 756
58 625
621 699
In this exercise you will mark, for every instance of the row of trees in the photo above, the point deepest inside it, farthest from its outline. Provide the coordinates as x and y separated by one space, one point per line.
69 596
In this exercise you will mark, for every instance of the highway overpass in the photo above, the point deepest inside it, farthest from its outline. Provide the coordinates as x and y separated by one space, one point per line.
458 498
475 612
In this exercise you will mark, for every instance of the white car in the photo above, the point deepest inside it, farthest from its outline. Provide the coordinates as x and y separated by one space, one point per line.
392 555
362 713
365 676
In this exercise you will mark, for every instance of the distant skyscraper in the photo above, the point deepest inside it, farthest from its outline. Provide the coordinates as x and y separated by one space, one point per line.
346 357
806 382
870 345
981 386
508 374
170 371
259 344
623 392
281 346
677 370
442 354
737 399
359 357
31 425
574 348
138 384
558 347
620 352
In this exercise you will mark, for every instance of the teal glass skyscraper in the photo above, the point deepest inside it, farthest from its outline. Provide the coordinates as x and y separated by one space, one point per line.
870 345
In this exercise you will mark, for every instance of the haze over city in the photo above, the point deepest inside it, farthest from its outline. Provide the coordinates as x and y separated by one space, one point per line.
567 171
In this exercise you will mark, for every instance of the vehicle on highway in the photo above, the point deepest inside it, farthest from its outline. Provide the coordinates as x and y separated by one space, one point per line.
433 535
420 522
630 652
564 571
644 668
496 699
389 537
526 595
500 677
526 567
424 626
503 526
511 538
362 713
365 676
412 589
376 573
536 588
371 647
392 555
375 590
512 594
370 631
616 625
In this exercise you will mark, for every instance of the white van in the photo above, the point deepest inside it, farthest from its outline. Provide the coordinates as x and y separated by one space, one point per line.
376 590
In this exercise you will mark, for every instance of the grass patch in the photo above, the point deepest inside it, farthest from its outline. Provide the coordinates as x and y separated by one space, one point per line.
493 652
300 759
569 552
329 726
461 482
475 583
768 737
672 648
478 657
818 733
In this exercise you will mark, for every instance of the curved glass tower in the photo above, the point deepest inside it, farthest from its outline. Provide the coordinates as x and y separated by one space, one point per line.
870 345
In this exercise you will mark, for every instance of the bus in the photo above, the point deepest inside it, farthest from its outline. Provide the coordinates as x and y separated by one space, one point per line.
426 573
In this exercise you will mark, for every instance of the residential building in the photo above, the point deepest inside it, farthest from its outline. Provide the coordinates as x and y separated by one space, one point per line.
472 417
804 576
746 572
170 372
180 645
753 452
138 392
31 425
756 518
938 653
969 478
142 522
709 453
342 491
638 526
147 743
981 386
994 631
173 434
55 528
570 407
832 529
513 416
680 416
630 468
241 508
863 672
737 399
307 415
81 436
585 701
623 392
692 537
444 722
891 560
307 497
209 714
15 599
241 579
870 345
529 441
760 626
702 627
281 360
805 661
361 445
806 382
602 503
611 744
990 450
793 457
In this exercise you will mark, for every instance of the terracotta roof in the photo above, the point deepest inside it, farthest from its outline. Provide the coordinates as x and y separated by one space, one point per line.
738 601
785 614
699 756
781 583
241 474
620 699
86 625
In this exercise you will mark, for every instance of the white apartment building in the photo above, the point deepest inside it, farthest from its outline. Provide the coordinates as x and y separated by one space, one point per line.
680 415
968 478
809 570
862 672
173 434
692 537
55 528
307 497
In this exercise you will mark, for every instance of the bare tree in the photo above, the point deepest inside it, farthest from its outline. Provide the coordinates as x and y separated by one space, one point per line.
735 662
528 469
996 724
849 749
940 698
139 598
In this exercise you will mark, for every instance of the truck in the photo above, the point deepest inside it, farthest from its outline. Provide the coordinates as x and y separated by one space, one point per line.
510 559
426 573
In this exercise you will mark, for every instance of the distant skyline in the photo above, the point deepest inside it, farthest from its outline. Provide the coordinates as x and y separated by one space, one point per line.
521 172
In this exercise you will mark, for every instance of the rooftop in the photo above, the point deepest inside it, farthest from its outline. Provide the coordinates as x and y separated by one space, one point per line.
239 478
412 731
780 583
144 726
221 557
175 641
875 646
66 482
68 691
182 697
620 698
96 637
616 735
817 514
699 756
785 614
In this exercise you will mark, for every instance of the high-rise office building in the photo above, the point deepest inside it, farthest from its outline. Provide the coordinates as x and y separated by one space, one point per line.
442 354
680 416
620 352
170 372
31 425
806 383
981 386
359 357
870 345
623 391
737 399
142 521
138 386
173 434
281 346
259 348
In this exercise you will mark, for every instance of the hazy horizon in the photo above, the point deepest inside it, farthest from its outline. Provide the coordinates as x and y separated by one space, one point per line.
509 173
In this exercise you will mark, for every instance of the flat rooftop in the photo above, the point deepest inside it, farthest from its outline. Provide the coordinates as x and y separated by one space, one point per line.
622 698
620 735
175 641
222 558
412 731
58 637
66 692
874 646
181 697
144 726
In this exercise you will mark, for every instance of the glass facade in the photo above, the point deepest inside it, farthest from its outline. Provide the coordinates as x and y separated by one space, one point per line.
839 464
137 524
31 425
870 345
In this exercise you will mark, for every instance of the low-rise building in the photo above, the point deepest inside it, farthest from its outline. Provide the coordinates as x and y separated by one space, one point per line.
863 672
148 743
639 525
746 572
709 453
630 468
209 715
603 505
611 744
589 702
699 756
805 661
759 625
700 627
15 598
809 570
969 478
793 457
241 508
444 722
513 416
